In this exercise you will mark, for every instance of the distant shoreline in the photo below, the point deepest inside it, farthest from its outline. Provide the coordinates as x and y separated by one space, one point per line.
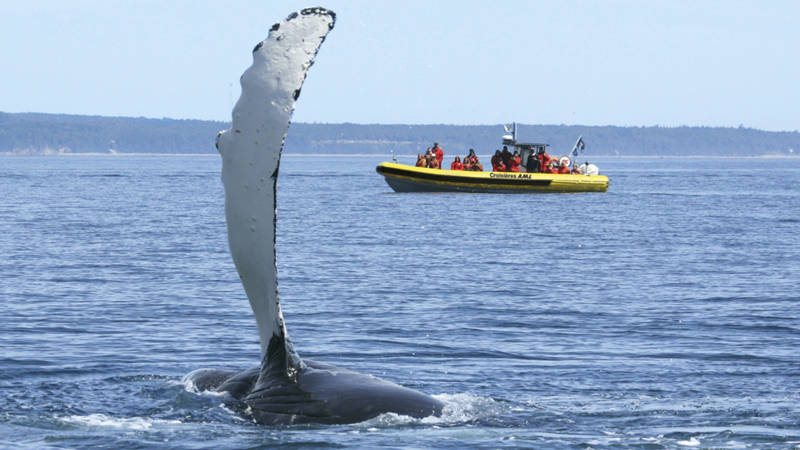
24 134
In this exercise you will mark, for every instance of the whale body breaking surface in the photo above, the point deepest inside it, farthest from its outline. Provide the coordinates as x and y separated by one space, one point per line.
284 388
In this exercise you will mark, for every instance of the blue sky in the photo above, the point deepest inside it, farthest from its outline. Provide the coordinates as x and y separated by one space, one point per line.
641 63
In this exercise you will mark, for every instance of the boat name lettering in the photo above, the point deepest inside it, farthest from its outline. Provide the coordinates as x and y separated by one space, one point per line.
510 175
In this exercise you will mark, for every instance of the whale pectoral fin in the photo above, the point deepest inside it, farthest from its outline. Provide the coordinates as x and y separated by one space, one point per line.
251 152
284 389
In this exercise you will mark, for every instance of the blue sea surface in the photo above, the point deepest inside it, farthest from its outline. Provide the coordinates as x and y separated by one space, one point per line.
664 313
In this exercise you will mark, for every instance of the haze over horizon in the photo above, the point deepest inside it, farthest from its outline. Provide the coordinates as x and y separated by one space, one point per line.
622 63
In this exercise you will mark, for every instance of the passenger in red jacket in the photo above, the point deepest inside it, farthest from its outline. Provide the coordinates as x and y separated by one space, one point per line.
497 158
544 162
499 166
514 162
563 165
456 164
475 162
506 155
438 152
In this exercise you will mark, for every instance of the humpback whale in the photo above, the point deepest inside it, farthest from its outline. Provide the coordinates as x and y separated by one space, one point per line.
284 388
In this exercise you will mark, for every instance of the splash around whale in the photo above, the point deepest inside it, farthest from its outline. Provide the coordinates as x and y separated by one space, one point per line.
284 388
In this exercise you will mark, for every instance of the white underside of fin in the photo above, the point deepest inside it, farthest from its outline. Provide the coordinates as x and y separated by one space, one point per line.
251 152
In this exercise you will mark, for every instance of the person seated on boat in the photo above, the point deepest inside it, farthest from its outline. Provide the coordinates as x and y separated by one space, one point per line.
428 156
506 155
576 169
433 163
497 158
563 165
421 161
475 162
514 162
438 152
467 163
499 167
456 164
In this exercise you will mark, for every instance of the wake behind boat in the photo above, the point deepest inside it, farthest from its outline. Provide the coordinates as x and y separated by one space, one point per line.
532 170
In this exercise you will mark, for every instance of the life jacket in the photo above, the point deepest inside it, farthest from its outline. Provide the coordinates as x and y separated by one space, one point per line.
500 167
564 169
456 165
544 160
515 162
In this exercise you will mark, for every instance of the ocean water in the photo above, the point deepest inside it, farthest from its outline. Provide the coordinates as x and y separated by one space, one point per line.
661 314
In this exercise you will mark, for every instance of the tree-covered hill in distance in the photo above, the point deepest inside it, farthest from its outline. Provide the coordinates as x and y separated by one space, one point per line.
39 134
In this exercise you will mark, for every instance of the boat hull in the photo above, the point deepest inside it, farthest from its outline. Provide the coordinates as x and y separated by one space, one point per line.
403 178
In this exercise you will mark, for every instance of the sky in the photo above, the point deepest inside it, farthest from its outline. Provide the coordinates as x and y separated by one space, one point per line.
615 62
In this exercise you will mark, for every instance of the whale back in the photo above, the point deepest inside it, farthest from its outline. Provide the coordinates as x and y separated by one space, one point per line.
251 151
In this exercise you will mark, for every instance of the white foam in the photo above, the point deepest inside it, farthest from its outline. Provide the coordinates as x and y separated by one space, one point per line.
104 421
692 442
467 407
458 408
188 384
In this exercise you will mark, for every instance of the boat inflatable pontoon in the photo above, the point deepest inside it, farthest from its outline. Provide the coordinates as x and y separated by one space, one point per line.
404 178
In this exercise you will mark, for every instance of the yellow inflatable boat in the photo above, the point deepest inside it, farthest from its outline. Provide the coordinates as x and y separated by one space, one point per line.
405 178
530 178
